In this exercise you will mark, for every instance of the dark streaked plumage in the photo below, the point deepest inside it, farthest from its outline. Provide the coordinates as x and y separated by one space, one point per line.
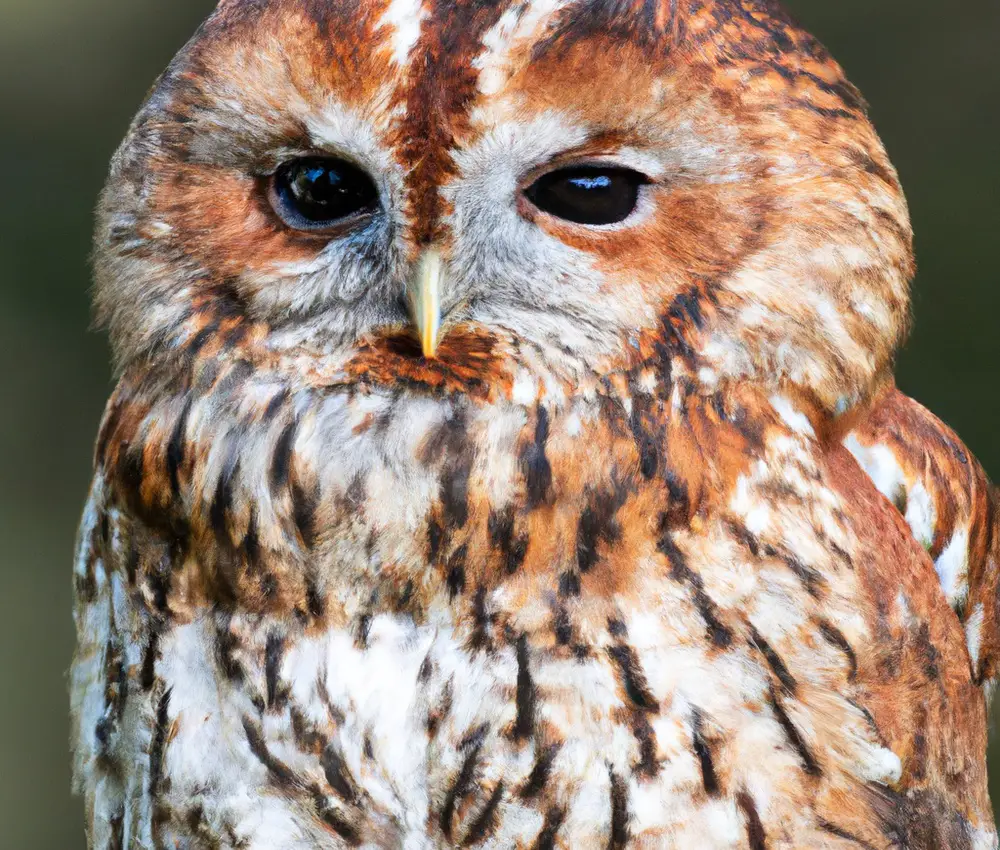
639 548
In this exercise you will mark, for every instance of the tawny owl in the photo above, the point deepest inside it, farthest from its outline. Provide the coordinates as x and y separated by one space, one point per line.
506 453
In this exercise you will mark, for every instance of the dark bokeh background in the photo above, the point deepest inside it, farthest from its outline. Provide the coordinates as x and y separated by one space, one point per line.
72 72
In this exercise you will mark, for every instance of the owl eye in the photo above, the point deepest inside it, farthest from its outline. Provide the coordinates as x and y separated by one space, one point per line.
588 194
316 193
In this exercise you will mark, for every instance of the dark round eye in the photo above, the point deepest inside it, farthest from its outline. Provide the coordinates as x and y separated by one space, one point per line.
316 193
588 194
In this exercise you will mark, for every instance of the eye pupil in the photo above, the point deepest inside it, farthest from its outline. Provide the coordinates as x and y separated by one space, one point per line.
314 193
588 194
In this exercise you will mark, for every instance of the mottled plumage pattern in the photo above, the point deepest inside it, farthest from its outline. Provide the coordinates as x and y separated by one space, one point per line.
652 555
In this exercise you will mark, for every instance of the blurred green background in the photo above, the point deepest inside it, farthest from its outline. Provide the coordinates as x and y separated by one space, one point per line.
72 72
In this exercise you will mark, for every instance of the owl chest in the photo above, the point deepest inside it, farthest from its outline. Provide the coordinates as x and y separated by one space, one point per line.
527 629
481 515
646 719
508 627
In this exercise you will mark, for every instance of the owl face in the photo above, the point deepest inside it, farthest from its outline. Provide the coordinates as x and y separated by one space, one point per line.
568 184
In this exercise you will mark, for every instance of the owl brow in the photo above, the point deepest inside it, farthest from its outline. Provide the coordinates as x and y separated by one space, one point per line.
438 99
652 25
196 120
604 142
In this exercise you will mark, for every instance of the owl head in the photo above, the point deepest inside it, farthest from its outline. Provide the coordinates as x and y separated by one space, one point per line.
375 189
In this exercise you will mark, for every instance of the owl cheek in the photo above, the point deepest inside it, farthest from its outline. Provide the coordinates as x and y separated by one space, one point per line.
220 219
690 234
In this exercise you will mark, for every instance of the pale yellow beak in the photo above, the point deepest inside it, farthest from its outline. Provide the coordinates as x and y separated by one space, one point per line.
424 294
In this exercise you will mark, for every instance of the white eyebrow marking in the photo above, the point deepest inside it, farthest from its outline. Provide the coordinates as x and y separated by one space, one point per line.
520 23
405 17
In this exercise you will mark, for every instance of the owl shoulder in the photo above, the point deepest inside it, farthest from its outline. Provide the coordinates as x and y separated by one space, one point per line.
951 509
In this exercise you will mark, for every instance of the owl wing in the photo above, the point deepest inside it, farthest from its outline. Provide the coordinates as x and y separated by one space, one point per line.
921 466
113 696
169 687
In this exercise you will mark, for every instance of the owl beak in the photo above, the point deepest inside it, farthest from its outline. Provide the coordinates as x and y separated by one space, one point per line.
424 295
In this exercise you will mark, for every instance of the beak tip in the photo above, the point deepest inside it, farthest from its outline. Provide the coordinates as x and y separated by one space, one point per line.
425 303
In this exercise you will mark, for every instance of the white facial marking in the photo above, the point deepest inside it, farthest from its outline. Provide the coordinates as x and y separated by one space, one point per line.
404 17
518 25
513 274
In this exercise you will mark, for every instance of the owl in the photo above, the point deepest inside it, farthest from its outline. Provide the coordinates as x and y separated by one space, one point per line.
505 451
